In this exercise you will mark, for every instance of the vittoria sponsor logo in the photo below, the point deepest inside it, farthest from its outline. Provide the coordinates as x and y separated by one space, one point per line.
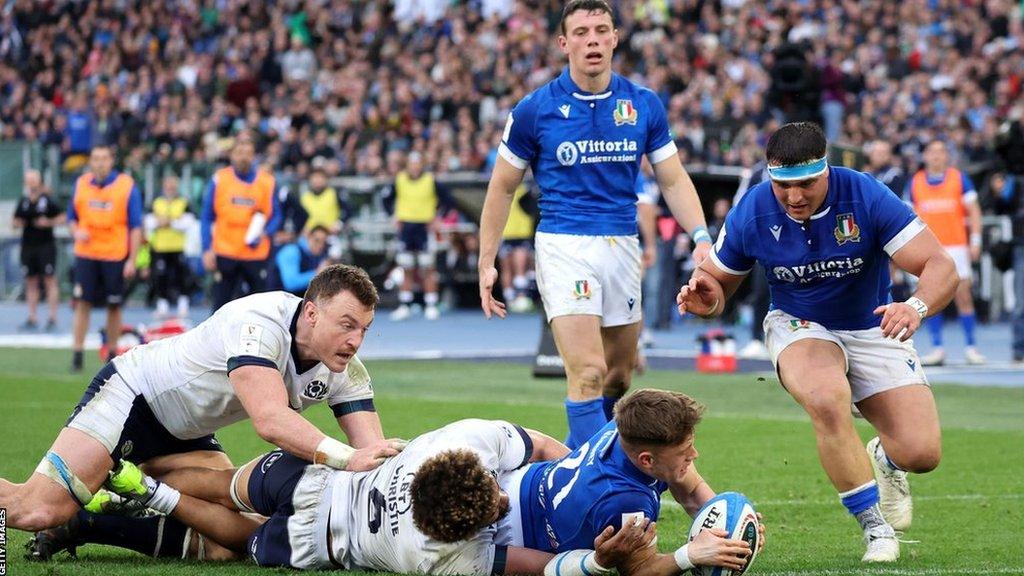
572 152
805 273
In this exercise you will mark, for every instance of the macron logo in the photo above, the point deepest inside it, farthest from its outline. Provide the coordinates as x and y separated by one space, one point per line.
564 109
776 231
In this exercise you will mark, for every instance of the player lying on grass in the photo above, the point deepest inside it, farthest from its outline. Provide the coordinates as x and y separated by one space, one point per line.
824 236
618 474
264 357
268 486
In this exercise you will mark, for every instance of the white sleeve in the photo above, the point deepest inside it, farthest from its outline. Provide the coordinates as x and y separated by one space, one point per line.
252 339
351 391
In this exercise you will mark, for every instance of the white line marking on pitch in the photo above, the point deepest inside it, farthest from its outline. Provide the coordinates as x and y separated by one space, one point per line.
673 504
895 571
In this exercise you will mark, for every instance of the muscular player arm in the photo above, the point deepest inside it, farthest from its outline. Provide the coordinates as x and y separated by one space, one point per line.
262 393
692 492
545 447
680 193
361 428
925 258
500 191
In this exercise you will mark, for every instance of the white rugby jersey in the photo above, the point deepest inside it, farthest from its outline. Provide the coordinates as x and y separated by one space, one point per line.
184 379
371 513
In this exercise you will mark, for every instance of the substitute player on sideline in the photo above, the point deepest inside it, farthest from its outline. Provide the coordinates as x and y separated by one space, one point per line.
583 135
824 235
264 357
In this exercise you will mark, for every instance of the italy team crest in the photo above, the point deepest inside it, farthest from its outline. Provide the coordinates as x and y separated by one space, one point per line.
624 113
846 229
795 325
581 289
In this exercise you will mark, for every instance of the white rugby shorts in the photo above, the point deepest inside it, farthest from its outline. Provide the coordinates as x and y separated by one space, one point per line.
874 363
962 259
590 275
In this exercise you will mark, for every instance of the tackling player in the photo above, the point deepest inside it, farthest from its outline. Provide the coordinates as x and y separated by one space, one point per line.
264 357
824 236
583 135
435 509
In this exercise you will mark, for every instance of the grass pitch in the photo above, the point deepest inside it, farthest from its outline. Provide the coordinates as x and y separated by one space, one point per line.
754 439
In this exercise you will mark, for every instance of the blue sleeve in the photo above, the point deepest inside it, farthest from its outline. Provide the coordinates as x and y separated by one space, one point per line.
612 508
275 219
345 207
389 198
445 202
967 184
520 137
658 133
135 209
208 216
730 252
889 214
72 213
908 191
288 260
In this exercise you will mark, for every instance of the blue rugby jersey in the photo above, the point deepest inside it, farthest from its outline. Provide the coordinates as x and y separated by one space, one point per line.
566 503
585 152
832 269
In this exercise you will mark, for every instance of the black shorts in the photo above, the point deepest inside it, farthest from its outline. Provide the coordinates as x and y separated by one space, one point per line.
38 259
139 436
509 246
99 282
271 489
414 237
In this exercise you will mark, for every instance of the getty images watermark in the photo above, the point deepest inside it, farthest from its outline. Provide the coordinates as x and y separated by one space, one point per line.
3 542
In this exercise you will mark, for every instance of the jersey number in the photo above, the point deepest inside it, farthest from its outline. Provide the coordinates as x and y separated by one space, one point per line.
375 510
567 464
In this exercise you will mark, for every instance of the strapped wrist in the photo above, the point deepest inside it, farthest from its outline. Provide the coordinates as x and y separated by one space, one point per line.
331 452
682 557
700 234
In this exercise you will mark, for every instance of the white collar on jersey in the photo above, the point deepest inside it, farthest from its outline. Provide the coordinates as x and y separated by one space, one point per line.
813 216
600 96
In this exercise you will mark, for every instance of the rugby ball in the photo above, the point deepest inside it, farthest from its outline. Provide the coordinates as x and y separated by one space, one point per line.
732 512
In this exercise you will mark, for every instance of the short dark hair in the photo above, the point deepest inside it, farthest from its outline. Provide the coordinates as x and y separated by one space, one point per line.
657 418
338 278
319 228
795 143
453 496
588 6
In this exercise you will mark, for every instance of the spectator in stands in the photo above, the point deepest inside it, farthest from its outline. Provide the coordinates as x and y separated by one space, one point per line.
516 251
239 218
105 216
945 198
37 214
168 222
299 261
415 202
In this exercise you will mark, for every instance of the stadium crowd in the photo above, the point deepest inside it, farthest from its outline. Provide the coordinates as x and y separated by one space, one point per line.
357 84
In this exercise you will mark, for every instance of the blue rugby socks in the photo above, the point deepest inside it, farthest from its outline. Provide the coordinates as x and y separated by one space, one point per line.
935 328
968 321
156 536
585 419
862 503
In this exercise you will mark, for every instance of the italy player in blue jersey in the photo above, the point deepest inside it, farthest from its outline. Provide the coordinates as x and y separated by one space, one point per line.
617 477
824 236
583 135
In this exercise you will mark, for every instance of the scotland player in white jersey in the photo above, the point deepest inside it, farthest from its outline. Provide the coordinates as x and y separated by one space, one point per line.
265 357
583 135
434 509
824 236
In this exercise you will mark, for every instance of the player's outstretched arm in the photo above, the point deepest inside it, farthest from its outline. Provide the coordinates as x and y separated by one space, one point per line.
709 548
705 293
262 393
500 193
925 258
692 492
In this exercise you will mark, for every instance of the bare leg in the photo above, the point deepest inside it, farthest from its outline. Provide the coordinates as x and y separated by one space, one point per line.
52 296
81 324
32 296
908 426
113 328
